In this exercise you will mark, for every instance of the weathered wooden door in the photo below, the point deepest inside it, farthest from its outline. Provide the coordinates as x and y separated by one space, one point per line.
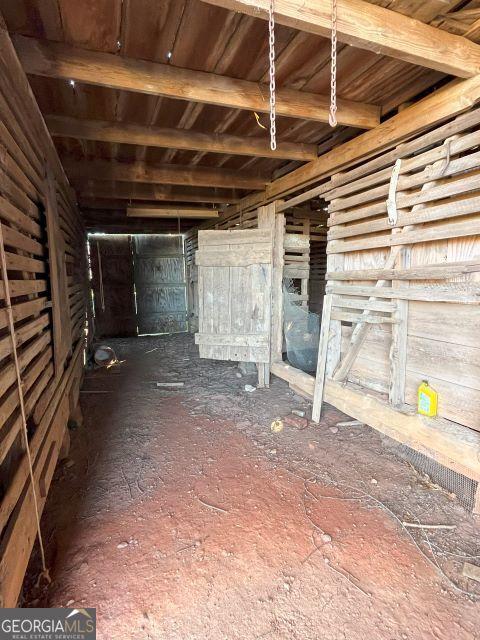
160 285
234 296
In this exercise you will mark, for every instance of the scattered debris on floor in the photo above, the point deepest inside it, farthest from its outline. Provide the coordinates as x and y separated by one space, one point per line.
209 519
172 385
276 426
295 421
298 412
350 423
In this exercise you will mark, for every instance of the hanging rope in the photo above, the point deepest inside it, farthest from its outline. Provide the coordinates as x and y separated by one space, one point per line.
8 303
332 116
271 57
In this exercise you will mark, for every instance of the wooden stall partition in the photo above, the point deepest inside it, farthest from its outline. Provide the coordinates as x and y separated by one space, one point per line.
45 278
403 293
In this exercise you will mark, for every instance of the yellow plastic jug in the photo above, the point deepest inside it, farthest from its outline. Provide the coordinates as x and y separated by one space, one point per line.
427 400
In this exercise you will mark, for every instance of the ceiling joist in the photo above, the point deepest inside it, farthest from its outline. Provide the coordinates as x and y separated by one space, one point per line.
126 133
161 212
104 189
58 60
368 26
162 174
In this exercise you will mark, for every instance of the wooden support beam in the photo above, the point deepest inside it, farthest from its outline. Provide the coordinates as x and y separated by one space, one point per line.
371 27
102 203
58 60
161 174
127 133
162 212
104 189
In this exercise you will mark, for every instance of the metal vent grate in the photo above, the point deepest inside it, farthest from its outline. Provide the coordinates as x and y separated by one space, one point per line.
464 488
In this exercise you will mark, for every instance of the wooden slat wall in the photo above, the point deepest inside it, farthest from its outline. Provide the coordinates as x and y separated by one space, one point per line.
435 285
27 157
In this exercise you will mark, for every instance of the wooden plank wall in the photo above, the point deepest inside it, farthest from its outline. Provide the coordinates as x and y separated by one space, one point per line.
431 330
45 251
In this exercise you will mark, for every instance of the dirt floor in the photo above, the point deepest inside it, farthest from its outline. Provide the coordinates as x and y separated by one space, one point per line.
181 515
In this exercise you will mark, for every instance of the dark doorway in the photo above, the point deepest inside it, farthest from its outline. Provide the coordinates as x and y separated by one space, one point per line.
138 284
112 285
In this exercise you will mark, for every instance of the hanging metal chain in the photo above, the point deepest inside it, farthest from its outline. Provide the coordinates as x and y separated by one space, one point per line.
332 117
271 57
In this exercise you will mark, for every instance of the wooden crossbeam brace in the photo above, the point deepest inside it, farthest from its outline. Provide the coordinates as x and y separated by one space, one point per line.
135 134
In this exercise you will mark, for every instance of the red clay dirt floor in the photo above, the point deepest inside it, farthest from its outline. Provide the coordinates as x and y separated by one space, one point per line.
181 515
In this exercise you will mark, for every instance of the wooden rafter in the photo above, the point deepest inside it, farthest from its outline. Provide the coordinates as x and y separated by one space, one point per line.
375 28
126 133
162 174
57 60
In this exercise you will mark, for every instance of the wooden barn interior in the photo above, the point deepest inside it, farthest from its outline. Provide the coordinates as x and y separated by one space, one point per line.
239 316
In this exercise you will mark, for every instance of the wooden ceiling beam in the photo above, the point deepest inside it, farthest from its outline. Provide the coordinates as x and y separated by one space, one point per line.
58 60
368 26
100 189
162 212
102 203
162 174
127 133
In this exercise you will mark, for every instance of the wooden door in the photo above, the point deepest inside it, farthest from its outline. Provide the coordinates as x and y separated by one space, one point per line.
160 284
112 271
234 296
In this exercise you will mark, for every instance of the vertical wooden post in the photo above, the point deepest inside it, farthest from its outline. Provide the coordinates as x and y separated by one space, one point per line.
261 375
322 358
305 281
276 348
398 348
335 262
267 218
